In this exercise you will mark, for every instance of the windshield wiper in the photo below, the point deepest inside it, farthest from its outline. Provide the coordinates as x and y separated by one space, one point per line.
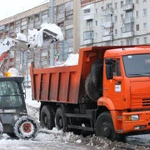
136 74
140 74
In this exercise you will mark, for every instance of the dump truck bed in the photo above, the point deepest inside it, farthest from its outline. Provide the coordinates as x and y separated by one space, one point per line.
65 84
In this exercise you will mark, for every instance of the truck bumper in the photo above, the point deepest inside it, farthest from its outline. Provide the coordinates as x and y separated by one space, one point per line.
136 122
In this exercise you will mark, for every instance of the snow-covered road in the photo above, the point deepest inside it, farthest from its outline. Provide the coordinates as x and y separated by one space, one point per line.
57 140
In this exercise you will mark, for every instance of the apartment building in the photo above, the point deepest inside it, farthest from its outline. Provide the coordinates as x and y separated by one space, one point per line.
65 16
115 22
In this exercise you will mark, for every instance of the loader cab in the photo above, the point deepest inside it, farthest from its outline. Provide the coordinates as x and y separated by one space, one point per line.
11 94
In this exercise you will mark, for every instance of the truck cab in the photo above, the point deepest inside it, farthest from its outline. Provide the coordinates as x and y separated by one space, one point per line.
126 88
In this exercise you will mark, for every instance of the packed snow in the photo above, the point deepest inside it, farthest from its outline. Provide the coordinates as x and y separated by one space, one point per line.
54 139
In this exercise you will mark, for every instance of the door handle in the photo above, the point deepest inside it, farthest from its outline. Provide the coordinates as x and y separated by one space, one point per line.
105 88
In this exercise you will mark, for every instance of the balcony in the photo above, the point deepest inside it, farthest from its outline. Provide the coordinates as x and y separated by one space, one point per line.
88 12
107 24
128 6
128 20
88 16
107 11
128 34
88 42
107 38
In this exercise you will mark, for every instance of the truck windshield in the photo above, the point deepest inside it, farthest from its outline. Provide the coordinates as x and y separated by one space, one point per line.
10 95
137 65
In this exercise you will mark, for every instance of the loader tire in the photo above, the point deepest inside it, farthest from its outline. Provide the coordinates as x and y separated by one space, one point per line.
26 127
61 120
91 90
47 117
1 129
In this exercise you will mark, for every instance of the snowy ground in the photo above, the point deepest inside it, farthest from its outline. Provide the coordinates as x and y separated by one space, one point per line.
54 139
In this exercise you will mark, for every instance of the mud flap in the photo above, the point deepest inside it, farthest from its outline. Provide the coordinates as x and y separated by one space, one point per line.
26 127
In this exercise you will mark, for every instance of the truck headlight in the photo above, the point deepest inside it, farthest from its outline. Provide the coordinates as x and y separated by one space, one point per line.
132 117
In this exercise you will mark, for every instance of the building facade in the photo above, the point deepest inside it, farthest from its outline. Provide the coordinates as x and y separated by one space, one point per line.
115 22
65 16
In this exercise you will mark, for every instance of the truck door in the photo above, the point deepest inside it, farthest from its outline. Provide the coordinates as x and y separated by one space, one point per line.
113 88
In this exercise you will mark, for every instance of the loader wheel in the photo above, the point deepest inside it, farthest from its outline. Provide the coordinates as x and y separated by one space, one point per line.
60 120
91 90
47 117
26 127
1 129
105 127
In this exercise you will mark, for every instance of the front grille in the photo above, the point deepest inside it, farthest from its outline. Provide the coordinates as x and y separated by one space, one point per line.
146 102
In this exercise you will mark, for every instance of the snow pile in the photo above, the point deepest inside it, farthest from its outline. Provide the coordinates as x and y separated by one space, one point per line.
49 33
56 139
72 60
21 37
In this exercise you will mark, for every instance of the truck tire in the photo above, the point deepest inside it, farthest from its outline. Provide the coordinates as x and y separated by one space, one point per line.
26 127
97 73
47 117
61 120
105 128
90 89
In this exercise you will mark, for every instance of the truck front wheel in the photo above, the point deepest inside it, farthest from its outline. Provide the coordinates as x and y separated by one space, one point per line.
60 120
47 117
105 127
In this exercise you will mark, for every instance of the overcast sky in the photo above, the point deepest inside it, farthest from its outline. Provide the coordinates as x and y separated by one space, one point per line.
11 7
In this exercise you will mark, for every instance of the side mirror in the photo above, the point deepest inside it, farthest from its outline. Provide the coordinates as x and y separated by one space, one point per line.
108 61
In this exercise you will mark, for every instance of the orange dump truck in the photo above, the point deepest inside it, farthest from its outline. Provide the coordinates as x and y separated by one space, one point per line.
107 93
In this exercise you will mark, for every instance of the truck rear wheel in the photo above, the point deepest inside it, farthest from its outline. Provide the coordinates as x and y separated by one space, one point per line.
26 127
61 120
90 89
47 117
105 127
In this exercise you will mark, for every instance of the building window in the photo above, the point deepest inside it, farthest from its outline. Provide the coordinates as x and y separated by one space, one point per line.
87 11
144 0
145 40
137 27
96 11
89 23
121 30
69 33
115 18
115 31
137 1
137 14
129 41
144 26
116 5
88 35
121 17
121 4
137 41
145 12
96 23
122 43
129 1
